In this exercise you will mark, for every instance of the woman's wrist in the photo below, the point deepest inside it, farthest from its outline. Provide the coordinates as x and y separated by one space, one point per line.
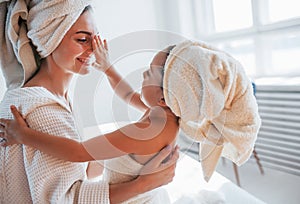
143 185
120 192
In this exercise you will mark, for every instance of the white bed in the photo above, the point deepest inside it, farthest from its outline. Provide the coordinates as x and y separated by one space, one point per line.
189 183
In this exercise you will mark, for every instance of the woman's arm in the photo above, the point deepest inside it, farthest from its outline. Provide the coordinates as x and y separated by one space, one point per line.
119 85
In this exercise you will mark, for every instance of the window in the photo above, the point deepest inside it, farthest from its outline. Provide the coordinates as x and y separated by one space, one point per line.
228 17
283 10
242 50
263 34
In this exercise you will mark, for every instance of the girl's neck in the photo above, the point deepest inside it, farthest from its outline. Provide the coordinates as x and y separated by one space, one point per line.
162 113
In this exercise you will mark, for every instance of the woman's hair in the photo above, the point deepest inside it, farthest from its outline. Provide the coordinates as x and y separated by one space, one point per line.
87 8
38 58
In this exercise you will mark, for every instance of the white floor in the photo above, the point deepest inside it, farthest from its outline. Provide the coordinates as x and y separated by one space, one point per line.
274 187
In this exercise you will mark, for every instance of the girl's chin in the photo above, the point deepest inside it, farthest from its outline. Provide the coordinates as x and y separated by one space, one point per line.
144 100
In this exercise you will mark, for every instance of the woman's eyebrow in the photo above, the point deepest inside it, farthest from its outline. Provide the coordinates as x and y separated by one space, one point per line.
84 32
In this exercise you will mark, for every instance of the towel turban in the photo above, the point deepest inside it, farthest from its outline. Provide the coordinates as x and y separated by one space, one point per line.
210 92
31 29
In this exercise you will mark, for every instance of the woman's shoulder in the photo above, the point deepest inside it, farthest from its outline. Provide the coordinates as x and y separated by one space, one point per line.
27 99
29 95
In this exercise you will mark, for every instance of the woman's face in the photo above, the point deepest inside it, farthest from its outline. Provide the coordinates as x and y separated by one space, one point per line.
152 91
74 53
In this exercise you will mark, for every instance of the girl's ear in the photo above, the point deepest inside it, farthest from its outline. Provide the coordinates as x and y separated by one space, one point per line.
162 102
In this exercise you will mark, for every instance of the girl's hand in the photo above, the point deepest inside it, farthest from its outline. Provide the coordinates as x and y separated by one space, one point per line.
100 50
12 131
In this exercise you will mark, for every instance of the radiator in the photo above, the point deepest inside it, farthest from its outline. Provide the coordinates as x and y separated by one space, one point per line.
278 143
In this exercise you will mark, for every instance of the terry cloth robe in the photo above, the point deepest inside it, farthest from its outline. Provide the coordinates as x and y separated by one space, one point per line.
125 168
30 176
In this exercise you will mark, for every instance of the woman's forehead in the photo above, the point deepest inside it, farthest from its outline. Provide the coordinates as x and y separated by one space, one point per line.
85 23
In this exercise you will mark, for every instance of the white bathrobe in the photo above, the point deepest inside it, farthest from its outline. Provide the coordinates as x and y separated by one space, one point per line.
125 168
30 176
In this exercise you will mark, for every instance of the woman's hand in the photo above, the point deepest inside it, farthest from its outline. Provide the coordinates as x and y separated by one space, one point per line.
154 174
11 131
100 50
158 172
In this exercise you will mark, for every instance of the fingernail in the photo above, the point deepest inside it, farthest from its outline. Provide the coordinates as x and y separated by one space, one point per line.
168 148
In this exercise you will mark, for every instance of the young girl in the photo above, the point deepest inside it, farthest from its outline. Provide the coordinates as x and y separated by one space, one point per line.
205 92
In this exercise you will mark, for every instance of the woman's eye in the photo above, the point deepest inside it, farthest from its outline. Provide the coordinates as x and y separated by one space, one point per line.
82 40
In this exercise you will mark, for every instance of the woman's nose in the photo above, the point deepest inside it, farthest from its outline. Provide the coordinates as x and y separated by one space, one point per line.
89 49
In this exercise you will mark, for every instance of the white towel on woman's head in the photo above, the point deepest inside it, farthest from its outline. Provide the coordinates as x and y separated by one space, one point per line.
38 22
210 92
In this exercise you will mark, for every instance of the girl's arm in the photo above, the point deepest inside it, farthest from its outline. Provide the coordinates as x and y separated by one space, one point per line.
124 90
17 132
120 142
119 85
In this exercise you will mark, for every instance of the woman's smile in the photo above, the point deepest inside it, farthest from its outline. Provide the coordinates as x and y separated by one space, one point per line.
85 61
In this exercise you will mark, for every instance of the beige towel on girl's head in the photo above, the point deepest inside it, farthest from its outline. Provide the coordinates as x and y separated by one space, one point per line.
213 97
38 22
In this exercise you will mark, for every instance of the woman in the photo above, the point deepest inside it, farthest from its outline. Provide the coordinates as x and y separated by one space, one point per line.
43 100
